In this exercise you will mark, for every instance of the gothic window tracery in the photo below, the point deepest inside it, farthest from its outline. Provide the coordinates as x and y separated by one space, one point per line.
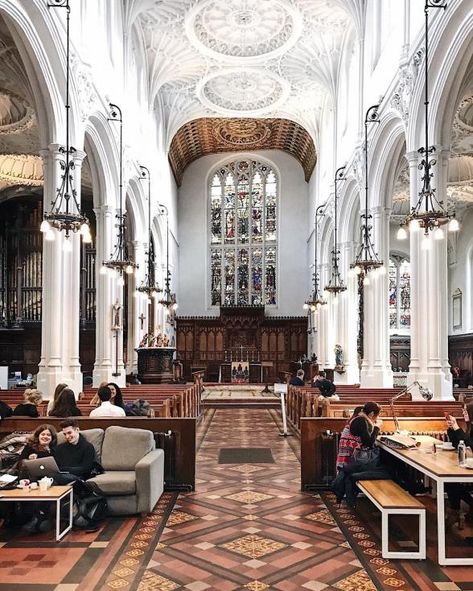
243 234
399 293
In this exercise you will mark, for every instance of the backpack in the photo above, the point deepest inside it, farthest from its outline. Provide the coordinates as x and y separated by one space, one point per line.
138 408
89 511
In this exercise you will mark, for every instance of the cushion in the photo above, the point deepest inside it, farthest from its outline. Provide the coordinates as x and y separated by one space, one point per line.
93 436
123 448
118 482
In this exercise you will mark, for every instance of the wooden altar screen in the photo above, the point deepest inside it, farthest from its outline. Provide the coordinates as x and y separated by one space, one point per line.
207 341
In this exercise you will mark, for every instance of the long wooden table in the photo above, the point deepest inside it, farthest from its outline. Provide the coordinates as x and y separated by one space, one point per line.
442 467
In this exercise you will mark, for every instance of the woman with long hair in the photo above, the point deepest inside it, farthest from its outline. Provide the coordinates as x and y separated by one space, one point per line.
40 444
116 399
59 388
66 405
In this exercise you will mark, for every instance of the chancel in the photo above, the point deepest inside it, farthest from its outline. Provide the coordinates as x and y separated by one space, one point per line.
206 209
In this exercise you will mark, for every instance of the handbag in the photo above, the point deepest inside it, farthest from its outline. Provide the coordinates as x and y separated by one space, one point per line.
367 457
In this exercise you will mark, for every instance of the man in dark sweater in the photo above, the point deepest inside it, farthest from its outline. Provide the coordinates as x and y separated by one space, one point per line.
76 455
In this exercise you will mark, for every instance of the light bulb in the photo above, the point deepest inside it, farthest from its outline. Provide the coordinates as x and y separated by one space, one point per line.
357 270
84 229
103 270
175 306
86 238
401 233
121 281
453 225
313 308
414 225
50 236
67 245
366 280
305 307
129 269
45 226
438 234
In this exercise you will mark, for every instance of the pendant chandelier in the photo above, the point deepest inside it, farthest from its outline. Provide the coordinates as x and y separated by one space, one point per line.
168 301
428 213
336 284
316 299
148 287
65 214
367 259
119 263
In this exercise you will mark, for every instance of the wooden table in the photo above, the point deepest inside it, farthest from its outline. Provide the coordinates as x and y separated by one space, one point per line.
443 468
54 494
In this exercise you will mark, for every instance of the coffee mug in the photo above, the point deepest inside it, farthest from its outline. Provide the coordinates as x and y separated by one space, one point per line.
34 486
24 483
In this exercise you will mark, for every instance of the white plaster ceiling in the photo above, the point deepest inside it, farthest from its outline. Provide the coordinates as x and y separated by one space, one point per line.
244 58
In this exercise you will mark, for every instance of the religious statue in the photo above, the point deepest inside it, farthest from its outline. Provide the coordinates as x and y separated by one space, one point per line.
338 358
116 324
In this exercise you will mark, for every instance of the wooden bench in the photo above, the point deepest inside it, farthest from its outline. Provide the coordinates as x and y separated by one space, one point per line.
391 499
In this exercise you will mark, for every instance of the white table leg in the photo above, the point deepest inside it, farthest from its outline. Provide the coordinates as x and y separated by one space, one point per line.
441 522
60 534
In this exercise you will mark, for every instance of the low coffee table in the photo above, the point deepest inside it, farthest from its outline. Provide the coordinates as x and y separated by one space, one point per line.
61 495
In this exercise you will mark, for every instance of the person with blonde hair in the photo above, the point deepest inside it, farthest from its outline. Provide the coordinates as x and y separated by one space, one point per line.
32 398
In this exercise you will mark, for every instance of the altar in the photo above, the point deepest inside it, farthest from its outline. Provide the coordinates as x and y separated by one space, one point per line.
155 365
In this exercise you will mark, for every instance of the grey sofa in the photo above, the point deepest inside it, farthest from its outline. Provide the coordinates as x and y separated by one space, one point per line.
134 469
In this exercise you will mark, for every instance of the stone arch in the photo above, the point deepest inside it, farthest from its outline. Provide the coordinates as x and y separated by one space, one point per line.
446 76
40 43
100 148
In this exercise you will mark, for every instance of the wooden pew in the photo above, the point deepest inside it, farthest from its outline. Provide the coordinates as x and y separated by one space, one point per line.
184 430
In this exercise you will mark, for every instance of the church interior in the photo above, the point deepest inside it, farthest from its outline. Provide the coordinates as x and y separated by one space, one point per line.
249 225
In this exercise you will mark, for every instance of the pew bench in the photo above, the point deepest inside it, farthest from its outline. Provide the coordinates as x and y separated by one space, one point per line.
391 499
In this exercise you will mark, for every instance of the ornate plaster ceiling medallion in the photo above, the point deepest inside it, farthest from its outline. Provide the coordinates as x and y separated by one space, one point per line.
243 92
242 132
15 113
21 169
233 30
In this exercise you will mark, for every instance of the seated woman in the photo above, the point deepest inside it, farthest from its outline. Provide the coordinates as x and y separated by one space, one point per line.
116 399
29 407
59 388
460 492
66 405
40 444
359 433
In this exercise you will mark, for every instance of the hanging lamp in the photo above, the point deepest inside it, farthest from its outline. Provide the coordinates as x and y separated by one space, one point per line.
315 300
65 214
168 301
429 213
119 263
336 285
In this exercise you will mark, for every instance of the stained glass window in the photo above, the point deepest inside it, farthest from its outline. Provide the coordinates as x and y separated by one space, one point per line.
399 293
243 234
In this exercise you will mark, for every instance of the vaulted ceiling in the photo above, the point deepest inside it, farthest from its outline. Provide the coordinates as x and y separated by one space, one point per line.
277 59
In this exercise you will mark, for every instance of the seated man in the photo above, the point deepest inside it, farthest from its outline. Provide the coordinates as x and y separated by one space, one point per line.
106 408
76 456
298 379
325 386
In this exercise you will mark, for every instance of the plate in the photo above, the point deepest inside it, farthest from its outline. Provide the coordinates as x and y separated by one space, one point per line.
468 467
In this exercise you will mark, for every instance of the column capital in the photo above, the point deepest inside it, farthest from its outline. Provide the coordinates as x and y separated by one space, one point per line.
412 157
104 209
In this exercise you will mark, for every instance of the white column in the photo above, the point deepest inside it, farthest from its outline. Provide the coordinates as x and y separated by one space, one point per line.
324 313
61 289
104 337
376 369
347 318
137 305
429 294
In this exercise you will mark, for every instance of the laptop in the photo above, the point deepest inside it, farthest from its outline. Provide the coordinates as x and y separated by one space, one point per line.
41 467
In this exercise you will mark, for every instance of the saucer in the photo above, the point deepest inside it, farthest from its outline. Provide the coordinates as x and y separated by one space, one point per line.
447 447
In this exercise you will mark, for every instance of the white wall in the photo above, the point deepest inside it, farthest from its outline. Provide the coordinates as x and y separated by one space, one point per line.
293 219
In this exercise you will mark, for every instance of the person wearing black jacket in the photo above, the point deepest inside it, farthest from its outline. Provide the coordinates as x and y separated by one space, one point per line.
76 455
298 379
29 406
460 492
325 386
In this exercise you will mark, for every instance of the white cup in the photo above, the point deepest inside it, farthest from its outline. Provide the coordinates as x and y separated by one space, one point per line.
45 483
469 462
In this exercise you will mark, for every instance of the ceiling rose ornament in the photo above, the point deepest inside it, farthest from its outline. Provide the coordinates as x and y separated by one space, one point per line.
243 29
242 132
243 92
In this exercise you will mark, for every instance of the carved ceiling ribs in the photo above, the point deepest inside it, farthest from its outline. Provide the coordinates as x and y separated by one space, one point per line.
211 135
